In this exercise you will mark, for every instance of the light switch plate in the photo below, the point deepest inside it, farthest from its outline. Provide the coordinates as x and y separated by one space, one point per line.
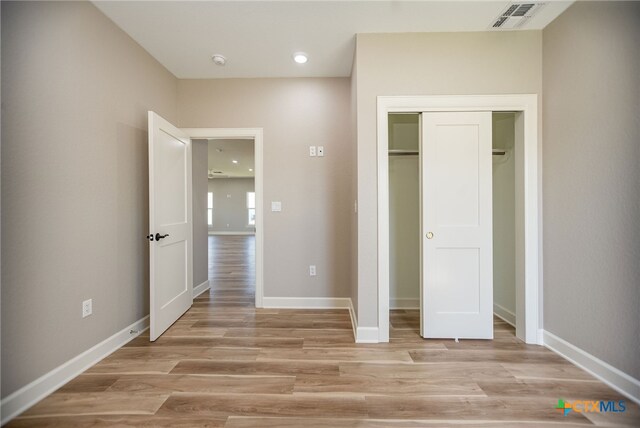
312 151
87 308
320 151
276 206
312 270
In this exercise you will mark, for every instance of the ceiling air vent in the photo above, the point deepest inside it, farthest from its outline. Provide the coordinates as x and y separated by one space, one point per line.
516 15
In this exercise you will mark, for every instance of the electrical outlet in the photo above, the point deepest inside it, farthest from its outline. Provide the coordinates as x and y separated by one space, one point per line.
312 151
312 270
320 151
87 308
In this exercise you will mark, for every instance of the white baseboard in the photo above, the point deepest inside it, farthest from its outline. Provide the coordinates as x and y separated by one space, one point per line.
367 335
201 288
615 378
306 302
362 334
213 233
404 303
504 314
30 394
354 320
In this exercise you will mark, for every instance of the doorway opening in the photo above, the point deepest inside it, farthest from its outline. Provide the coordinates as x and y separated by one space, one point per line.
511 175
231 221
232 232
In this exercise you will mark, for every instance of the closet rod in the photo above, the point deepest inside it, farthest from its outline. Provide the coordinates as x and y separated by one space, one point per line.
403 152
496 152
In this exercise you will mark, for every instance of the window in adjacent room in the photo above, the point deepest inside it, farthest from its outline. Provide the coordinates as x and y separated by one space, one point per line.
251 208
210 208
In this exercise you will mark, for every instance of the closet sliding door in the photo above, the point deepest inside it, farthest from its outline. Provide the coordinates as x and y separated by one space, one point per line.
457 253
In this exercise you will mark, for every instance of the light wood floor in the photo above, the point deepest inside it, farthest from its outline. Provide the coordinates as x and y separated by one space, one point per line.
227 364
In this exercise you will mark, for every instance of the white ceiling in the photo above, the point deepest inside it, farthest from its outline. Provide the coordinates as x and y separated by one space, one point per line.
258 38
222 153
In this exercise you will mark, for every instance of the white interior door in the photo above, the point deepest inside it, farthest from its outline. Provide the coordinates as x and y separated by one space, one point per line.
457 221
170 224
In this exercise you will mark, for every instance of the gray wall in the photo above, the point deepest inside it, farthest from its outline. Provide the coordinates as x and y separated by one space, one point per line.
314 225
426 64
199 170
76 91
592 180
504 214
230 204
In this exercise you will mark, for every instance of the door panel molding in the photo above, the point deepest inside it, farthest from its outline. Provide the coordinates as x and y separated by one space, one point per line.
527 104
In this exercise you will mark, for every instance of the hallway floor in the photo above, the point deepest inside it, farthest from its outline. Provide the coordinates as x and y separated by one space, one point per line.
226 364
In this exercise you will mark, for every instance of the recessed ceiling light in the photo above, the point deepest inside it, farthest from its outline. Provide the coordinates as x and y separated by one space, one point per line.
300 57
219 59
250 169
234 161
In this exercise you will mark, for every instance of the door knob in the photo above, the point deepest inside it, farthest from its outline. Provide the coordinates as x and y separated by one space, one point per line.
159 237
429 235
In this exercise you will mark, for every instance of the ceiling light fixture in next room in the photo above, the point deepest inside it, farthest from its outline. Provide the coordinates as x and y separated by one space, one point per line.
219 59
300 57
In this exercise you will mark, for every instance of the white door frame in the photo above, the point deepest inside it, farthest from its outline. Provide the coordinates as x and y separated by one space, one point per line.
256 135
526 103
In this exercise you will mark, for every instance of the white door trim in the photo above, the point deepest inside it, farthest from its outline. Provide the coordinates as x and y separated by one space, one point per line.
526 103
256 135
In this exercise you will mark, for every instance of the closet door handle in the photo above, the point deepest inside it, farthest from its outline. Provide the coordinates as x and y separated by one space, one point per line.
429 235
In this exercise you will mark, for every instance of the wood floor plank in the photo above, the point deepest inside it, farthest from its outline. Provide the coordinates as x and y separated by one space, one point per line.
118 365
335 354
184 352
284 322
371 385
89 383
120 421
485 355
263 368
452 371
224 342
96 403
563 370
263 405
344 342
301 333
192 332
205 384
